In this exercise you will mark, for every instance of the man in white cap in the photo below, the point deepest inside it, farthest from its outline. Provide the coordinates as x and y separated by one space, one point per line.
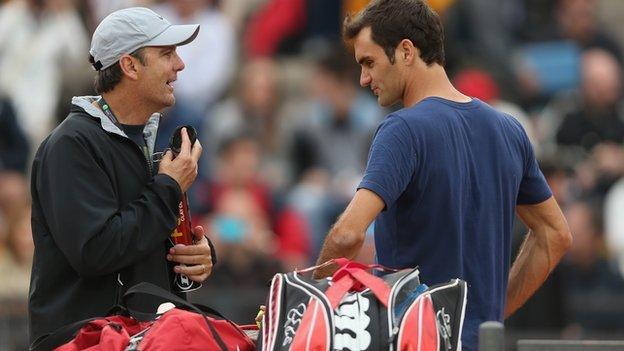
102 210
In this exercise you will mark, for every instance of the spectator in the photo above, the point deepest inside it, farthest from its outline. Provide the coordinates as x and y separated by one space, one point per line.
102 8
564 20
248 221
290 26
16 252
331 142
14 150
256 233
593 287
209 67
16 246
598 117
336 134
40 42
480 31
577 20
211 62
549 63
258 108
14 143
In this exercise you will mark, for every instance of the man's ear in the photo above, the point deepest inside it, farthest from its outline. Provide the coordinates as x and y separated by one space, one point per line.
129 66
407 52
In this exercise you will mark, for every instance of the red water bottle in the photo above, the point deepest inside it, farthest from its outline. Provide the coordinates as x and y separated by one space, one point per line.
183 233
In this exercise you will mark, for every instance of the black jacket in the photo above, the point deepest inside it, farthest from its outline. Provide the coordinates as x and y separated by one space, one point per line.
100 220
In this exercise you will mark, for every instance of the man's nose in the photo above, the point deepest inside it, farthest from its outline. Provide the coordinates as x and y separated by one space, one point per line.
365 79
179 64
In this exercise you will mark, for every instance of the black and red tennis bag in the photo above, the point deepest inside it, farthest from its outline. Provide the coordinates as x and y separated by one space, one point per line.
356 310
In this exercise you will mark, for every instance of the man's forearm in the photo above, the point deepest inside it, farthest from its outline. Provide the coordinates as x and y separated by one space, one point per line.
346 237
337 244
536 259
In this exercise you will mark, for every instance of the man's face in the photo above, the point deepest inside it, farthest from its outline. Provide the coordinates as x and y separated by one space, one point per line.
161 68
383 77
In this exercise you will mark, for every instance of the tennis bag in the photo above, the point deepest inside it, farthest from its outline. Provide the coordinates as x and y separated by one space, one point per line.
356 310
185 328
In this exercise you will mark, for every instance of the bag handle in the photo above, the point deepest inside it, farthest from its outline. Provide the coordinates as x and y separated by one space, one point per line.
354 275
58 337
342 261
376 284
338 289
153 290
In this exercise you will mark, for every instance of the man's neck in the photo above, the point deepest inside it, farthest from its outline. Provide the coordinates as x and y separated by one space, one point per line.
431 81
126 108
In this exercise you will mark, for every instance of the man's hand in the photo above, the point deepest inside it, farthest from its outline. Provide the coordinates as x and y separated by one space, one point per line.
182 168
195 260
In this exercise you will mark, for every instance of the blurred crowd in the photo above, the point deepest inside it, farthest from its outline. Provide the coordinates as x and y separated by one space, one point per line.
286 128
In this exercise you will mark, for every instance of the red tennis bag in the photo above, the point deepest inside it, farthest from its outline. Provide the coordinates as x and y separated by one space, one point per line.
187 327
356 310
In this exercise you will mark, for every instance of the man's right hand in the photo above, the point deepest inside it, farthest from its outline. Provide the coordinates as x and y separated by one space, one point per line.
182 168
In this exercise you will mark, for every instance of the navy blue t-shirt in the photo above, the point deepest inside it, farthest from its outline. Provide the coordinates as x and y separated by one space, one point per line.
450 175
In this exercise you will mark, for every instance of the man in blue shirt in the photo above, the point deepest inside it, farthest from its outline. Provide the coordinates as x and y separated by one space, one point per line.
445 174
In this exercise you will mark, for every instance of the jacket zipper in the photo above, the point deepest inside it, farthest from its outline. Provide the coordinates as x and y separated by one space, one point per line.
148 159
144 152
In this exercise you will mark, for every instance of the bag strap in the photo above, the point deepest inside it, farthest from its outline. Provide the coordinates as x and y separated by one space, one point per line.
153 290
58 337
309 269
342 261
338 289
377 285
364 280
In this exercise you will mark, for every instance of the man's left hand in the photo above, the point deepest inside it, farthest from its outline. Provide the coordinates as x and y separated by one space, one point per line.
195 260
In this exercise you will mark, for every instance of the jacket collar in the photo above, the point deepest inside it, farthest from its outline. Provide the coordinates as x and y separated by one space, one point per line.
86 103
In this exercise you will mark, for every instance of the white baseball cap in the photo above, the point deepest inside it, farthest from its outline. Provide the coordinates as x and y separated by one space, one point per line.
127 30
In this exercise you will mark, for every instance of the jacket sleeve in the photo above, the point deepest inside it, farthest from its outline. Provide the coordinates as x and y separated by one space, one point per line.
94 231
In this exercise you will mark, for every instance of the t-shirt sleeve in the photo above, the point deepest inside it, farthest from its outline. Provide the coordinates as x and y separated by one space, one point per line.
533 186
391 161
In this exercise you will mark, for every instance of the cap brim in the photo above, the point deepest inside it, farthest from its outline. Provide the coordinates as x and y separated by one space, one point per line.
175 35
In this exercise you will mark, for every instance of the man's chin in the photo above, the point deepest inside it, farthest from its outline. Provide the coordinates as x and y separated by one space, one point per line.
384 102
166 104
170 101
388 103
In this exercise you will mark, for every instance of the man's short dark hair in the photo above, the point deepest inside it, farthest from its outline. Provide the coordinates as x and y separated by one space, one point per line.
394 20
107 79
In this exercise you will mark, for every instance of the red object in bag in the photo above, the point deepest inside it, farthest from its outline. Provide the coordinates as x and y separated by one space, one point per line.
105 334
180 330
176 329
